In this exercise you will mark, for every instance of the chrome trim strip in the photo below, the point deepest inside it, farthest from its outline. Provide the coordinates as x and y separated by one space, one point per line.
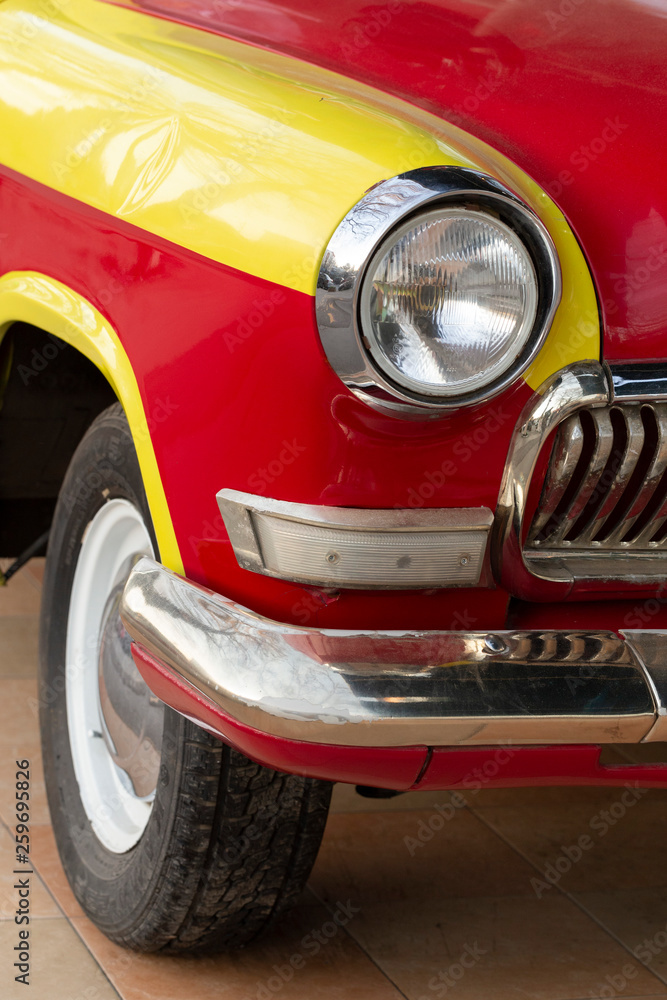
650 648
638 382
359 235
563 394
601 572
240 513
398 688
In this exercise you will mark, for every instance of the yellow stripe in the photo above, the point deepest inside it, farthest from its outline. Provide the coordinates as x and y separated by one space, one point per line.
244 156
28 297
575 332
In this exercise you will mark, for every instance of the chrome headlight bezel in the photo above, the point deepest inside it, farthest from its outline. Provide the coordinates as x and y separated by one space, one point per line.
385 208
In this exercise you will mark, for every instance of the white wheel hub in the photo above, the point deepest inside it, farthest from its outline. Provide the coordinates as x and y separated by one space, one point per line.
114 722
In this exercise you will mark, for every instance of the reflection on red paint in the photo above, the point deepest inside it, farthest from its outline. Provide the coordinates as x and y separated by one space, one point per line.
575 94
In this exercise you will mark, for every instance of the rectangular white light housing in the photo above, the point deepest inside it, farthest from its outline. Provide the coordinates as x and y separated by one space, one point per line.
345 547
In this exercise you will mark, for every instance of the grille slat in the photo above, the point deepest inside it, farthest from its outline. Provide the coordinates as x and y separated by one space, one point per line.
634 442
588 492
652 478
653 526
567 451
648 471
606 485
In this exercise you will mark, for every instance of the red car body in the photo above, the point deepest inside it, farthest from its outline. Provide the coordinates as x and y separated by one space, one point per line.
235 384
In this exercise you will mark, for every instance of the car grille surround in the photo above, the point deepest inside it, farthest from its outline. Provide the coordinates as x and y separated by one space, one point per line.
606 484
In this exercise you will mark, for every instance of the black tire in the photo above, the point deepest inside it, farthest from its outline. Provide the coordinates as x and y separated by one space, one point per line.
229 843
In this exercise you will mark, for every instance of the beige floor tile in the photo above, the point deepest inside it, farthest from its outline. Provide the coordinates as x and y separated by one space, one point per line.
18 645
35 571
638 917
346 799
645 753
20 596
9 754
61 966
18 711
550 797
41 902
289 963
514 948
417 911
414 855
46 860
623 849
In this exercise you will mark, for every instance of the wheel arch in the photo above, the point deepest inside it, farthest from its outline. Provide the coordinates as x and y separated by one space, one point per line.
44 303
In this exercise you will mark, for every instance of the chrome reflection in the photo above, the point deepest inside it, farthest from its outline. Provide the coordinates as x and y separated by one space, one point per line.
132 718
560 397
361 232
389 688
602 513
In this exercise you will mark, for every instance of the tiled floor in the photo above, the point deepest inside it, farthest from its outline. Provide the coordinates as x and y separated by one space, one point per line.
457 908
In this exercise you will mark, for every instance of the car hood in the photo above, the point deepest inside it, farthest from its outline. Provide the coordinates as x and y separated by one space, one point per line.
574 91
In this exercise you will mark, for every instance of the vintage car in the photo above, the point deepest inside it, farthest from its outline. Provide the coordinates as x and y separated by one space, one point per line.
334 365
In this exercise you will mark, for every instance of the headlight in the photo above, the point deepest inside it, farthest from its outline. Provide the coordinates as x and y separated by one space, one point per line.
448 302
437 290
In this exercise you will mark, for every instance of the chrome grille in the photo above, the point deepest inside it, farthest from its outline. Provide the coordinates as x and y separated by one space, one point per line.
606 486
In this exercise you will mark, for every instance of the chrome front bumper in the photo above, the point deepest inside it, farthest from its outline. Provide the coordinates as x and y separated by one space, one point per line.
399 689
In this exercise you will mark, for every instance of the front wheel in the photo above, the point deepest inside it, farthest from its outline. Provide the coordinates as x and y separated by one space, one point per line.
170 840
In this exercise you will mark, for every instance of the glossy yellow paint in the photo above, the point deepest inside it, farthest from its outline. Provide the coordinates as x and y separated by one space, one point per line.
575 332
246 157
28 297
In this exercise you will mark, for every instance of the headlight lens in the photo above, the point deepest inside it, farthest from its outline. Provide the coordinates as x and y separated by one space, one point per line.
448 302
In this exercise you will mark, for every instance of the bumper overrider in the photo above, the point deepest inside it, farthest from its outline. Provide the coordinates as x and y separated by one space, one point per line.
372 706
